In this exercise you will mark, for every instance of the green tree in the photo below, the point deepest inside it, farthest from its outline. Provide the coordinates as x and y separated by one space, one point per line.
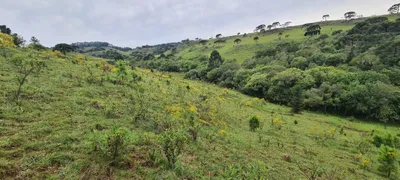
366 61
34 40
218 36
25 66
254 123
394 8
259 28
325 17
4 29
112 143
350 15
19 41
64 48
215 60
237 41
297 100
256 39
387 160
173 142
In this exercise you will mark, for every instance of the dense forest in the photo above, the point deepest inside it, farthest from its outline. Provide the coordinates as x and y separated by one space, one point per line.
352 73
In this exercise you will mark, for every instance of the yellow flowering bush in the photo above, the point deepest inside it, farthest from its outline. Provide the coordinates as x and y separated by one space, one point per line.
277 123
6 40
365 162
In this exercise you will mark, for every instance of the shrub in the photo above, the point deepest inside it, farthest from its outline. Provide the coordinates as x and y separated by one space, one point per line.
388 140
254 123
337 32
113 144
387 160
173 142
25 66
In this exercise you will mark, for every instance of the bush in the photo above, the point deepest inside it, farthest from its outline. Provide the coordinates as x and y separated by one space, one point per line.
388 140
113 144
336 32
173 142
387 160
254 123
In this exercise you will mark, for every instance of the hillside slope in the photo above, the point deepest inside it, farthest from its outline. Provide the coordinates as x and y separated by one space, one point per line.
68 115
248 47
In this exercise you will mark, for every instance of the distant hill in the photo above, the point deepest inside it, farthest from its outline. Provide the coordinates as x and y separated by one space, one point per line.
109 51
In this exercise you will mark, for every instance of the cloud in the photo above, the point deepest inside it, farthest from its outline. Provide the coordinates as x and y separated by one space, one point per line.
136 22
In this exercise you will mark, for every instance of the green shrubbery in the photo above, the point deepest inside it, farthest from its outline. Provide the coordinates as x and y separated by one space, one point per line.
254 123
113 144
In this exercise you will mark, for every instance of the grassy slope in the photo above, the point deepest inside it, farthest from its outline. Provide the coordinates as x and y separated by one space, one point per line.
248 47
48 136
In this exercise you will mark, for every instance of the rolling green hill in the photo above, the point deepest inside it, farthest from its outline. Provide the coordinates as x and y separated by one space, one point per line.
248 47
71 114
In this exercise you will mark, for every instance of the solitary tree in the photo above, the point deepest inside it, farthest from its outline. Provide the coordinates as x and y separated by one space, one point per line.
350 15
5 30
269 27
297 100
325 17
18 40
394 8
25 66
259 28
64 48
218 36
35 40
238 33
254 123
387 159
237 41
276 24
286 24
215 60
256 39
280 34
312 30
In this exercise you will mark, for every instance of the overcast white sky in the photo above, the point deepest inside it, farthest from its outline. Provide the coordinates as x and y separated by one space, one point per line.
133 23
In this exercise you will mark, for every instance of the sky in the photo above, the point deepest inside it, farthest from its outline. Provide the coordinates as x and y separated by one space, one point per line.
132 23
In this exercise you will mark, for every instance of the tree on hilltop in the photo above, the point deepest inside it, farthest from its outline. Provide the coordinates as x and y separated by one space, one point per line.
63 48
394 8
325 17
260 27
350 15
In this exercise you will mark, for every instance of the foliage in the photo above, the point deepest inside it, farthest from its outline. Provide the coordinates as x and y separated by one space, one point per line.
25 66
113 143
387 160
215 60
173 143
64 48
254 123
6 40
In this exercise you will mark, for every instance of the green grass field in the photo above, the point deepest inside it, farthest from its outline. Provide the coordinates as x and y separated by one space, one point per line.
49 135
